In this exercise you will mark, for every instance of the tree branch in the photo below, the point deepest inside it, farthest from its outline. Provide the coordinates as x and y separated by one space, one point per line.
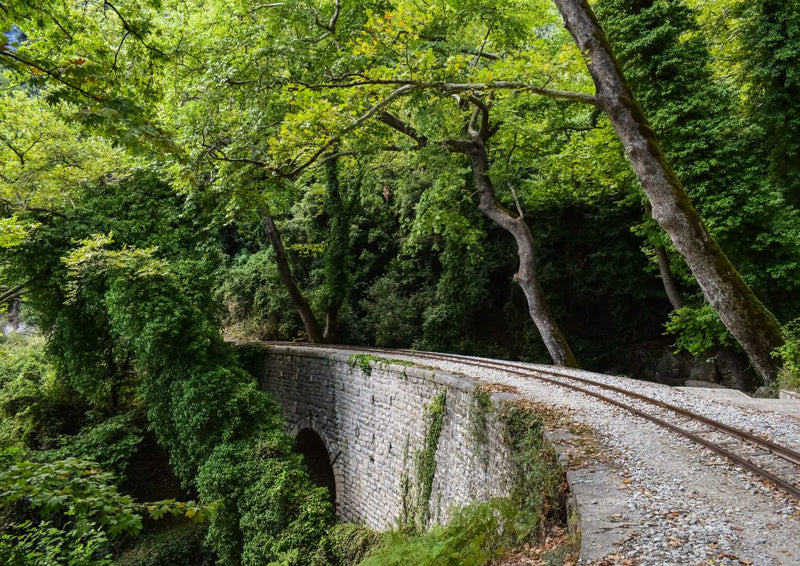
395 94
127 27
455 88
12 293
480 51
262 6
402 127
330 27
484 132
5 53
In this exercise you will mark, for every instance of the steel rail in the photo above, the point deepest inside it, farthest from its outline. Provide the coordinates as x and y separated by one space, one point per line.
527 372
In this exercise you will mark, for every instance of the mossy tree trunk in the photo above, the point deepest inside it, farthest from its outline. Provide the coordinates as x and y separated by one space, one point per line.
338 264
299 301
526 277
743 314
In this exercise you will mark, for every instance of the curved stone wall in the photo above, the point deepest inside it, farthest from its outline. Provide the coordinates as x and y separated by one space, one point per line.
376 425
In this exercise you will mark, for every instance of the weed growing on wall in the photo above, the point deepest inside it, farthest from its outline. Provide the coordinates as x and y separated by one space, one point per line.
364 361
539 489
482 406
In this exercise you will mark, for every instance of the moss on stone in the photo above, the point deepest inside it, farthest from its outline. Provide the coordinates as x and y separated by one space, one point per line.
364 361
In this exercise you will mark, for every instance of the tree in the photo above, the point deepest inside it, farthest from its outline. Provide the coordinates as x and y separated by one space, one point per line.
288 130
713 148
769 35
739 309
480 131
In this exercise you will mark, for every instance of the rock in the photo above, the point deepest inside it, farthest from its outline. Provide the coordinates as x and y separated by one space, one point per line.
699 383
733 370
703 371
668 367
765 392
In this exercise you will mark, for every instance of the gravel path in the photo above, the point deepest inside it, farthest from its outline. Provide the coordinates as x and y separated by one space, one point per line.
674 503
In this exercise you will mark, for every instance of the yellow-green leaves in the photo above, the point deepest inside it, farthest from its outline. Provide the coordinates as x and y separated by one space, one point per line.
92 256
12 232
44 158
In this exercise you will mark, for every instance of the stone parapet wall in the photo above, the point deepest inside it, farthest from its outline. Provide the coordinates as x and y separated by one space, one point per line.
375 425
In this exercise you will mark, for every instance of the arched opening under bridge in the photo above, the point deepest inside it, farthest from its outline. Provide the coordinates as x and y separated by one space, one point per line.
315 455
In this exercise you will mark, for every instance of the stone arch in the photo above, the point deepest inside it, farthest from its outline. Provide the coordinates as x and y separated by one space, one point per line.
317 459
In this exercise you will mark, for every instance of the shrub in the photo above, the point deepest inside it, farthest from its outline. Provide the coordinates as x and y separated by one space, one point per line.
789 375
180 546
110 443
697 330
474 535
41 543
34 406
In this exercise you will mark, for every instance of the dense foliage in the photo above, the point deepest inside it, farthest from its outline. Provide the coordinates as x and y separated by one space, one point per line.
177 172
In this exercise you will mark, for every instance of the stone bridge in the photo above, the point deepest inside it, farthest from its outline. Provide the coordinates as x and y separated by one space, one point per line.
396 442
399 443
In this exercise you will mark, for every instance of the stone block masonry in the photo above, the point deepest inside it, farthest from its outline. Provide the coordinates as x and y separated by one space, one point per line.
375 418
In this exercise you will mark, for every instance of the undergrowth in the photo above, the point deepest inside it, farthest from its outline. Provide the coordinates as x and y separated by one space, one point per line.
789 375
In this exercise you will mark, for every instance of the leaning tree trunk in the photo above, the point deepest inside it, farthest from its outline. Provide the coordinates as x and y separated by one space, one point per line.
670 285
737 306
526 277
295 295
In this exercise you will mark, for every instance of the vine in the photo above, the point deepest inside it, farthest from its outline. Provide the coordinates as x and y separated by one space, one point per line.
426 458
482 405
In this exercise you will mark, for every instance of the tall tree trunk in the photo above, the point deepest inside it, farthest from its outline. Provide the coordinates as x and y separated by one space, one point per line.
331 323
670 285
526 277
737 306
337 250
295 295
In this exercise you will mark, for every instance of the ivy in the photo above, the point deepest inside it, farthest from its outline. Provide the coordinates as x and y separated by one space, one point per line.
426 457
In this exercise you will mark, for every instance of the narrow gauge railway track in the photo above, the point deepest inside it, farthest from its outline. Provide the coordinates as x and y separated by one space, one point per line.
562 379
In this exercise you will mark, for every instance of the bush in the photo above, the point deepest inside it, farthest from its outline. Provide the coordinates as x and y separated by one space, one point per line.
40 543
474 535
34 406
63 512
110 443
697 330
180 546
789 375
70 492
350 543
258 304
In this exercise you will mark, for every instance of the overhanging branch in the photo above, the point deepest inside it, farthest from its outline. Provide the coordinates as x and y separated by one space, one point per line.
456 88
